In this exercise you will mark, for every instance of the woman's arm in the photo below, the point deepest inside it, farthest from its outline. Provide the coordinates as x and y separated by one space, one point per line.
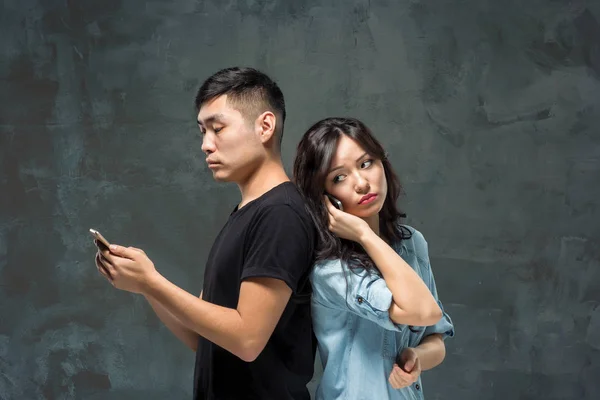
431 351
412 361
413 303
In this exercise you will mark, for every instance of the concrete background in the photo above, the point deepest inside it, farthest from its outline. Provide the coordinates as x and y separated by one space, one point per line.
489 110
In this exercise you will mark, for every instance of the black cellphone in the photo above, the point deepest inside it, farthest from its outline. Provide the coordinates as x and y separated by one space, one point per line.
336 203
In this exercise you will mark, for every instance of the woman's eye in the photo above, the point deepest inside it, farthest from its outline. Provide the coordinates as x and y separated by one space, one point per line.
338 179
366 164
217 130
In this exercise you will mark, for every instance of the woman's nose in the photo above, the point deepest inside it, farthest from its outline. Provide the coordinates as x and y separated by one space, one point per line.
362 185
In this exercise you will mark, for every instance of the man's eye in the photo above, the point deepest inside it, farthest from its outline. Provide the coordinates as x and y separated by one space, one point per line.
217 130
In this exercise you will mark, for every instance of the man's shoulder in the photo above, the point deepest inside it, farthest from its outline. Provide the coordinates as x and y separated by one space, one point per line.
284 193
284 200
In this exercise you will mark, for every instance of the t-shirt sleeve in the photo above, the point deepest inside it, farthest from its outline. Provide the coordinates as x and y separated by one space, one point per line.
279 245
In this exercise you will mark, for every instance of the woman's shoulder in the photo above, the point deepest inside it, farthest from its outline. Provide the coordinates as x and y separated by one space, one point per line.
333 268
327 277
327 266
416 242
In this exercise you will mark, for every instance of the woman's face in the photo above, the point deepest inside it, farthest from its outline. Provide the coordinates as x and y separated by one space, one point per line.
356 179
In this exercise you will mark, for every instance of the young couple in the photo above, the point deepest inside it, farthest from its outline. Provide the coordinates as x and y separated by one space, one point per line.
289 266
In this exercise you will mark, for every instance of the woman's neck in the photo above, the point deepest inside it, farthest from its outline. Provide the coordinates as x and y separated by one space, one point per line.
373 222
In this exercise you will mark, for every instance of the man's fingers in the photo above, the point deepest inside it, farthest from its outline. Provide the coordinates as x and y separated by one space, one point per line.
124 252
105 254
101 268
104 273
108 265
137 250
102 265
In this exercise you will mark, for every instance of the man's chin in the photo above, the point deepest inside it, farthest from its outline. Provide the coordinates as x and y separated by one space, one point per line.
221 176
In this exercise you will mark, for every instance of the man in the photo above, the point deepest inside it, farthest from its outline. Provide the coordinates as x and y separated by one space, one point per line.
251 326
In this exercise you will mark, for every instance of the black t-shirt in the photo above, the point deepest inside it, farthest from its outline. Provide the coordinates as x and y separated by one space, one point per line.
272 236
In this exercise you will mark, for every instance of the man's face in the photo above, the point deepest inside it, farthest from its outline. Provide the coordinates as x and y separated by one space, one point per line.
230 142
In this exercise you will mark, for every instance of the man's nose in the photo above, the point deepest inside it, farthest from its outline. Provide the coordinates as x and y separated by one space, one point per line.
208 144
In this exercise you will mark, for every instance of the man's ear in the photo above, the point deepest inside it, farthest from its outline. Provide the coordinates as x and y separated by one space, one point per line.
265 125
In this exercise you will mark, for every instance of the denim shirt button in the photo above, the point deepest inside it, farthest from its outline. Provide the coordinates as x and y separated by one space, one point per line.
360 300
417 386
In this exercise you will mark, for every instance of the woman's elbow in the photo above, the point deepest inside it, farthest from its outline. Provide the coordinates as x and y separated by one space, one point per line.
425 316
436 343
442 352
432 315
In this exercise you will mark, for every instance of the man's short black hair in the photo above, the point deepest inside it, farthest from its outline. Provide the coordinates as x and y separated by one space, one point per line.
248 90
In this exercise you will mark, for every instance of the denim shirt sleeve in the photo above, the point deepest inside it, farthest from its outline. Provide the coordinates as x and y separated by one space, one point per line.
358 291
444 326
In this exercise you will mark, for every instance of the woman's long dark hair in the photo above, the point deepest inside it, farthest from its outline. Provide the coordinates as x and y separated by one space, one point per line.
312 163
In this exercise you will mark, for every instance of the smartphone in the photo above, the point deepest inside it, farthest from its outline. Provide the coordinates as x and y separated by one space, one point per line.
98 236
336 203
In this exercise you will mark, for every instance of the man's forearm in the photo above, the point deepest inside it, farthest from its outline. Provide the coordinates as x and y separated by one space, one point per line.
182 332
431 351
220 325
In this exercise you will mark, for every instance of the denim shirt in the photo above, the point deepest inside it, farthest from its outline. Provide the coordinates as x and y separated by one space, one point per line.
358 342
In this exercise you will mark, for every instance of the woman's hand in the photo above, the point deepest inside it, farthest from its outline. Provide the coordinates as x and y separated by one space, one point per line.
344 225
410 371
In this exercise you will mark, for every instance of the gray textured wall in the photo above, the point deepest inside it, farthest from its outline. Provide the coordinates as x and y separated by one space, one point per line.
490 110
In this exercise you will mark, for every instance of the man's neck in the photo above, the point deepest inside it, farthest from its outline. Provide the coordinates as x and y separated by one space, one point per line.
270 174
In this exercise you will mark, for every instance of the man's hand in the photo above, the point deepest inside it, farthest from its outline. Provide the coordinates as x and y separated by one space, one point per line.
410 371
127 268
243 331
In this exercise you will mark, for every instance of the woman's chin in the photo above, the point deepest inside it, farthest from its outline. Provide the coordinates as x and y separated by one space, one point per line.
364 214
368 211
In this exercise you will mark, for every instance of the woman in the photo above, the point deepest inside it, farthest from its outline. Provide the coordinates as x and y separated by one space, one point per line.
375 309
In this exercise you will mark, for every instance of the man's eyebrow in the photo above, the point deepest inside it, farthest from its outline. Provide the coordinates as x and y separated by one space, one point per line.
211 118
